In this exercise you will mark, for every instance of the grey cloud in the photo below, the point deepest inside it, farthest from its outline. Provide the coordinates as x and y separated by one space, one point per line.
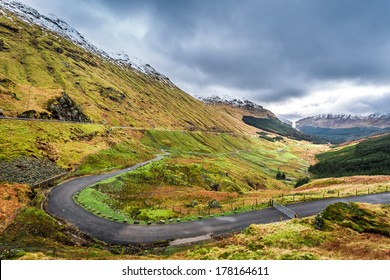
274 50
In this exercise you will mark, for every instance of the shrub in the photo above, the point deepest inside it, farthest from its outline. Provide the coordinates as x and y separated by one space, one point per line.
302 181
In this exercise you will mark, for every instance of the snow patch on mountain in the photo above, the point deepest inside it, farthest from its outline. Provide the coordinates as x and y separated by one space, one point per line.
350 117
60 27
346 121
231 101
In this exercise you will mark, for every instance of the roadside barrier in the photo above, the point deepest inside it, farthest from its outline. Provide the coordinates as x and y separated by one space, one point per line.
286 211
49 182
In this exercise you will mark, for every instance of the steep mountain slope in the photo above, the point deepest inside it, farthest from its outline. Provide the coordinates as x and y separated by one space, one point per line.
369 157
43 57
343 128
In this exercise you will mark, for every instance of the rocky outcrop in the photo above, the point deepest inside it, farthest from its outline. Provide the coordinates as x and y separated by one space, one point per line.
62 108
65 109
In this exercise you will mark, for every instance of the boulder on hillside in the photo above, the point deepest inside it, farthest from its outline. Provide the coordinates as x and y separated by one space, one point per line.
65 109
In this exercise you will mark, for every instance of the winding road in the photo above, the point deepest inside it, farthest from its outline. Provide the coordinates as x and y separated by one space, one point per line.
60 204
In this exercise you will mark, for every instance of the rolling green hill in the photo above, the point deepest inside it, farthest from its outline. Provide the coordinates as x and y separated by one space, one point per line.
369 157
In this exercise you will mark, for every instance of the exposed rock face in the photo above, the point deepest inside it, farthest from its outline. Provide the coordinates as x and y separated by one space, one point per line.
62 108
65 109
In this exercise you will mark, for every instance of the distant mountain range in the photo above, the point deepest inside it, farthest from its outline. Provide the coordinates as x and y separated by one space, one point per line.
258 117
346 121
343 128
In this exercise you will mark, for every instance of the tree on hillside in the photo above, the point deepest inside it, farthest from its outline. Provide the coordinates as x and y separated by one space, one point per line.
302 181
280 175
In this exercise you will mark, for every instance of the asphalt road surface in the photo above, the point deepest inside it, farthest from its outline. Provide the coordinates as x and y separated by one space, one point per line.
62 205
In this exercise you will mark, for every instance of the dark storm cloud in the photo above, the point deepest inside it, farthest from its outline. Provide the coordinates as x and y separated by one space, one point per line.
272 50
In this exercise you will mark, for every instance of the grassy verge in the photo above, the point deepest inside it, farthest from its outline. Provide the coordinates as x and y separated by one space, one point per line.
336 187
97 203
346 236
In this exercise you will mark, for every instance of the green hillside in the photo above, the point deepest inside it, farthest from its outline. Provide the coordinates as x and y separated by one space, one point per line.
369 157
37 67
278 127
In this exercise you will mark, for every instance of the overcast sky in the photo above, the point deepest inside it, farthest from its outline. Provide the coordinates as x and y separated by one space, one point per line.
295 57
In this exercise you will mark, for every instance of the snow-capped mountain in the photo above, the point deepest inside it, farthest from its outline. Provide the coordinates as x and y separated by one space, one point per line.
231 101
346 121
244 106
60 27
